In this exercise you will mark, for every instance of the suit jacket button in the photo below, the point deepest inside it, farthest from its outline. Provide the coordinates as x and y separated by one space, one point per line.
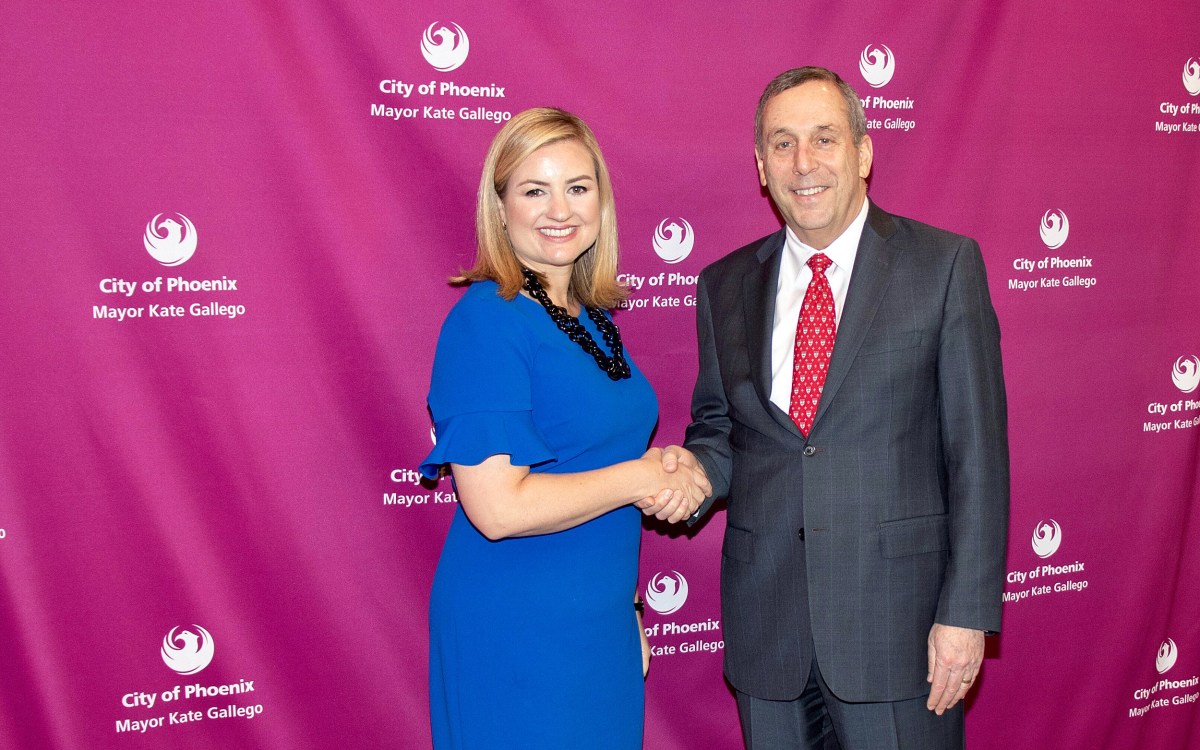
810 450
800 534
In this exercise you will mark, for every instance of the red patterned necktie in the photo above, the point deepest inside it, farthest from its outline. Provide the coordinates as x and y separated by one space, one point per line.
815 332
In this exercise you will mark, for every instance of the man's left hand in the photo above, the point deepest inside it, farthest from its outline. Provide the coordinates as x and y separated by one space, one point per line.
955 656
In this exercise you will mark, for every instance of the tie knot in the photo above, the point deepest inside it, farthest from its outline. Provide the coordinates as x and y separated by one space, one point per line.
819 263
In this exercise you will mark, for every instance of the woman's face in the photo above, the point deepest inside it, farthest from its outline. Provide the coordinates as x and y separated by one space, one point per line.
552 207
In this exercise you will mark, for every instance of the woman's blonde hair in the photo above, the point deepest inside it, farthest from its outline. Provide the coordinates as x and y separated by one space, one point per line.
594 277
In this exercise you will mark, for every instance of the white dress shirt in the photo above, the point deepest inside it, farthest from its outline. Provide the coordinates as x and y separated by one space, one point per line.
794 275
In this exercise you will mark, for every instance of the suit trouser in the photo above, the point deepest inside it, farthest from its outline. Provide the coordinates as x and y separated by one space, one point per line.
818 720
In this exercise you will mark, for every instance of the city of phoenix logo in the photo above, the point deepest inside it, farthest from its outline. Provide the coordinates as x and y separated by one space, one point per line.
444 49
1186 373
667 593
1167 654
673 242
1191 76
877 64
170 242
187 652
1046 538
1055 229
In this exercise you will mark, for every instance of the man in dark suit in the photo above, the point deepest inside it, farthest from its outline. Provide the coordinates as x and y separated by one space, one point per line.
852 409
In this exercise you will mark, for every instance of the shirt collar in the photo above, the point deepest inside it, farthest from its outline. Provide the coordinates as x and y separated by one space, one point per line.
841 251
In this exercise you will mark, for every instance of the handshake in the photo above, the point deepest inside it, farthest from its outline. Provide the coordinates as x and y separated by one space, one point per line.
682 480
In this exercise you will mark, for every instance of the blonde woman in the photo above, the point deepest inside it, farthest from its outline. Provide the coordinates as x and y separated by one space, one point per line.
544 421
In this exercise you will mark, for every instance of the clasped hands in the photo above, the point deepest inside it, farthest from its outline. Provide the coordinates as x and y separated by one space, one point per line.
682 479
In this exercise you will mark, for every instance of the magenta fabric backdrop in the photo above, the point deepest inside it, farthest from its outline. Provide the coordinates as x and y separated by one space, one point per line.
227 229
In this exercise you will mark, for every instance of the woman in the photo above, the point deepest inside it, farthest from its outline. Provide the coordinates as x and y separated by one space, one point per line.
534 641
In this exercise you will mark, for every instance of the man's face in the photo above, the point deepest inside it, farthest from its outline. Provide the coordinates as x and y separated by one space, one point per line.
809 163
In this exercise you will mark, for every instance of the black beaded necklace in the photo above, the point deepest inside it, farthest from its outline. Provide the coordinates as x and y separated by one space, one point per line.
615 366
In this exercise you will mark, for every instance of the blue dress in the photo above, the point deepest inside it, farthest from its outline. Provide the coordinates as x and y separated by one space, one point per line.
533 640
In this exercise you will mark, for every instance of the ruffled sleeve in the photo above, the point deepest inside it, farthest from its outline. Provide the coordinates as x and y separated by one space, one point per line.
470 438
481 390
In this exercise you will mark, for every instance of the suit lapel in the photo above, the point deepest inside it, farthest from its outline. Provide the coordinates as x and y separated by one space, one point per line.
758 300
872 273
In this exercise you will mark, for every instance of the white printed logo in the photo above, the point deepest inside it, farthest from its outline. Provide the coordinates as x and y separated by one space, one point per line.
672 242
1186 374
877 64
1055 229
1046 538
665 593
191 657
1191 76
1167 654
176 243
444 49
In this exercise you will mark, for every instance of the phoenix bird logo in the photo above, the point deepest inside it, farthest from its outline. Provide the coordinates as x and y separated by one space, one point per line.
1191 76
673 242
187 652
1167 654
444 49
1046 538
170 242
1055 229
667 593
1186 374
877 65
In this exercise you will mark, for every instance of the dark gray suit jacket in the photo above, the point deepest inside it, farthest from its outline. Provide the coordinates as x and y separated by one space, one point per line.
893 514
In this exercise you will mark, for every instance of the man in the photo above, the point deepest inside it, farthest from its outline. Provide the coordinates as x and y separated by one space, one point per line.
850 404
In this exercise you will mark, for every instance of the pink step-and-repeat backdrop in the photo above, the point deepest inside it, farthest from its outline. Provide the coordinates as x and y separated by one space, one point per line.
226 231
